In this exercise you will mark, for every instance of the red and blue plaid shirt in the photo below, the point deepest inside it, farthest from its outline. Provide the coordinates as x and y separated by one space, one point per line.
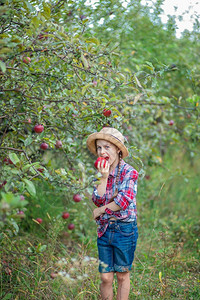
127 189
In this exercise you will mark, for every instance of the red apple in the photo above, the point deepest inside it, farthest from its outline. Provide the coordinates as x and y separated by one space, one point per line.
3 183
106 112
26 60
65 215
8 161
58 144
53 275
39 220
77 198
44 146
100 159
38 128
71 226
171 122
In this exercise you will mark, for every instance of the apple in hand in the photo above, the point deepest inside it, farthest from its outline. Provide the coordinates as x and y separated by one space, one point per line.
77 198
107 112
100 159
38 128
65 215
44 146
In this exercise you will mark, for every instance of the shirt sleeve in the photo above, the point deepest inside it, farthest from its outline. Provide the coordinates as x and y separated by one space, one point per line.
127 190
98 201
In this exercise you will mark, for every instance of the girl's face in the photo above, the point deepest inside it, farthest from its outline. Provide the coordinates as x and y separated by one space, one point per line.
108 151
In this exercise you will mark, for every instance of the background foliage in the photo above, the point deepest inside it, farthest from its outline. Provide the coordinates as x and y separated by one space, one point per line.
62 63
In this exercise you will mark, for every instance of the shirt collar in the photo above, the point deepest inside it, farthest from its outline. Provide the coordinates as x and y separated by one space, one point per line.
115 171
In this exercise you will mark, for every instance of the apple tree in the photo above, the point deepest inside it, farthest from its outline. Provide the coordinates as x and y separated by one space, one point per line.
65 75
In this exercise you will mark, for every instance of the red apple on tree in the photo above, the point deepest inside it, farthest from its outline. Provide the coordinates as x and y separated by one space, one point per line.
71 226
65 215
44 146
107 112
26 60
171 122
8 161
38 128
77 198
58 144
3 183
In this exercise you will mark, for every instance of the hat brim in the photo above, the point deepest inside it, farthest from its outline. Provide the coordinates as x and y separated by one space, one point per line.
107 137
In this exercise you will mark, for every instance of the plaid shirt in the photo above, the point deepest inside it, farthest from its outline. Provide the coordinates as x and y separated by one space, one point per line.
127 189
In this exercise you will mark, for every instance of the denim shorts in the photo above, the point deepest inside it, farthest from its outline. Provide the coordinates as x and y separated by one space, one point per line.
116 246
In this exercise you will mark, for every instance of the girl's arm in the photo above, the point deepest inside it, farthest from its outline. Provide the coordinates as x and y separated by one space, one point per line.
101 210
125 196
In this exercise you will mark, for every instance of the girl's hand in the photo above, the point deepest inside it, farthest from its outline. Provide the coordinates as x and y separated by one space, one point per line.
103 170
97 212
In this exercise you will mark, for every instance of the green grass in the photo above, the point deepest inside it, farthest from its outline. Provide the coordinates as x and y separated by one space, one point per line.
166 264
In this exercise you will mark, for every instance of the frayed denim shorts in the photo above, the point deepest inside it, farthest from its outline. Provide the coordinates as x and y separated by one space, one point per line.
116 246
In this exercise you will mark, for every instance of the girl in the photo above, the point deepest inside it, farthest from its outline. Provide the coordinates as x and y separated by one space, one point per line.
116 212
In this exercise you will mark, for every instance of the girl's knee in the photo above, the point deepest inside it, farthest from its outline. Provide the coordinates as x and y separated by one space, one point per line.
107 278
122 276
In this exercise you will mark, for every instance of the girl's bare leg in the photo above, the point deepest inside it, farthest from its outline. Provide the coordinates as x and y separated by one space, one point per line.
106 286
123 279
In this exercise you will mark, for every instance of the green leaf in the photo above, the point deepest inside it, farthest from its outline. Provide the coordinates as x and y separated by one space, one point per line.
7 297
14 158
2 66
84 60
28 141
30 187
5 50
93 40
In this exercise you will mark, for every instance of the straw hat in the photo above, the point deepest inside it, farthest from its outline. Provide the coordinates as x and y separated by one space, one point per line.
109 134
